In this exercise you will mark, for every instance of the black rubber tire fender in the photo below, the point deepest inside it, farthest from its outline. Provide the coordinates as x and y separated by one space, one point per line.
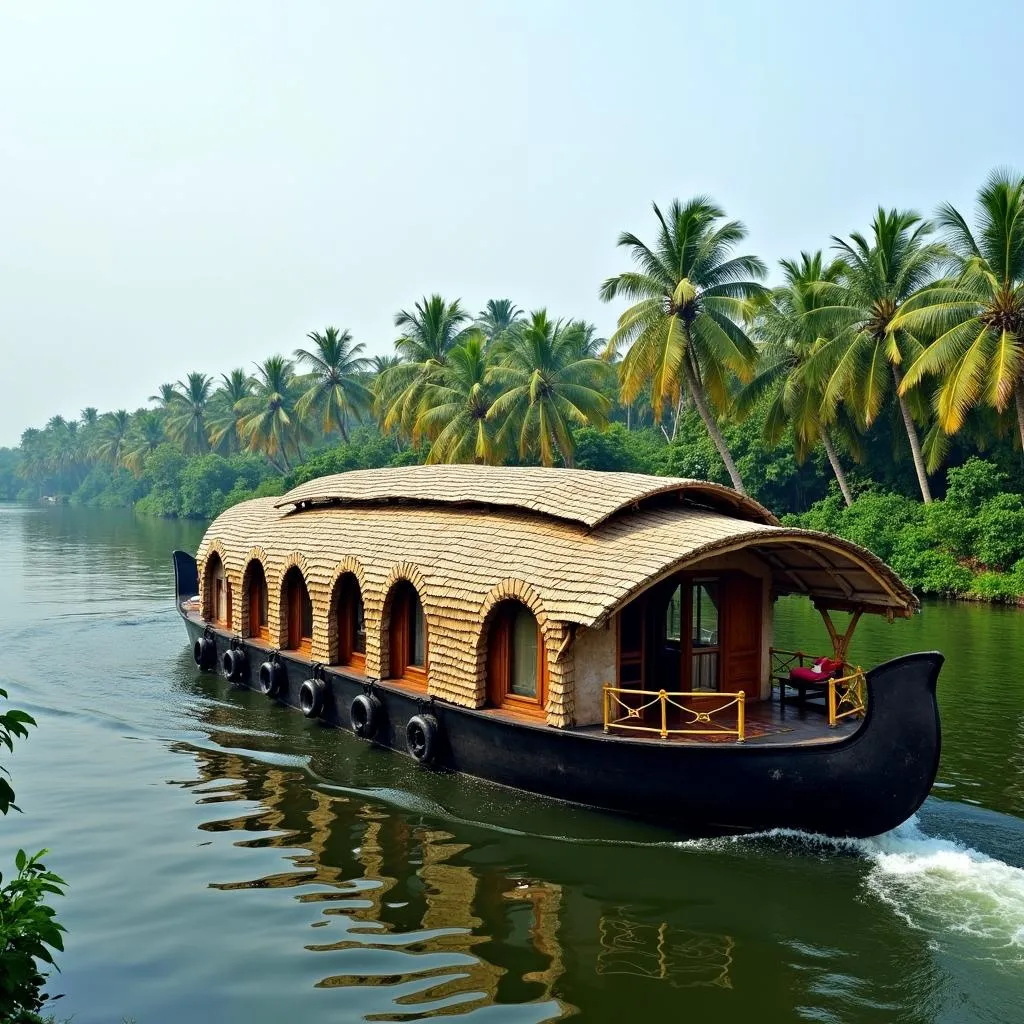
422 735
365 714
234 664
272 678
204 652
312 693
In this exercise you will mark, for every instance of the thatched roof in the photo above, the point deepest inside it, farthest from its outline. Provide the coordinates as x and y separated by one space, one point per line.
576 495
580 576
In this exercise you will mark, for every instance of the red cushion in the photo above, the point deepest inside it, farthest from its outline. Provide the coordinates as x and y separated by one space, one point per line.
808 675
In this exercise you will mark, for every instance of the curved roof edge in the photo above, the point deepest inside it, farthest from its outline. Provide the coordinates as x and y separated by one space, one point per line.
897 599
582 496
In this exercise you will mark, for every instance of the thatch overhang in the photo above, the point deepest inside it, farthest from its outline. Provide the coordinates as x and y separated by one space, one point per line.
575 495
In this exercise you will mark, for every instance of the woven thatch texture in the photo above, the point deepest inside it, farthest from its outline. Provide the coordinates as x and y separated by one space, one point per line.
463 562
577 495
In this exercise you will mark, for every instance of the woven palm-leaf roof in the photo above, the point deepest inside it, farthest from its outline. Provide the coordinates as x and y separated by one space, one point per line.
576 495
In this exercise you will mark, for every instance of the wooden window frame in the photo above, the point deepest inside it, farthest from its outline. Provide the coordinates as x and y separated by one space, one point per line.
686 581
344 612
499 664
637 684
400 638
259 595
293 596
221 587
686 647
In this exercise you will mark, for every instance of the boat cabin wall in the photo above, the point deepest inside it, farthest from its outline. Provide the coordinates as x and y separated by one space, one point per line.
456 629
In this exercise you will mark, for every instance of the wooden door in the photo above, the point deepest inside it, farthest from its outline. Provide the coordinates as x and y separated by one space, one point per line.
741 635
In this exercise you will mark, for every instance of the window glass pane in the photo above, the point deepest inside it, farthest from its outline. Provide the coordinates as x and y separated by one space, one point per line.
307 613
705 614
673 616
359 639
418 654
523 675
264 611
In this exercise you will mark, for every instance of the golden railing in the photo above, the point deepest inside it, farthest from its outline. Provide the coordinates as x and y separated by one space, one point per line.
847 696
622 713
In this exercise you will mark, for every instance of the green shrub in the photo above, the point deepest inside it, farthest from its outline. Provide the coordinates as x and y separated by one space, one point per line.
997 586
969 486
1001 531
28 929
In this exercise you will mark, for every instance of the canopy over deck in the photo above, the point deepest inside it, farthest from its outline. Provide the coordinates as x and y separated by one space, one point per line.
576 495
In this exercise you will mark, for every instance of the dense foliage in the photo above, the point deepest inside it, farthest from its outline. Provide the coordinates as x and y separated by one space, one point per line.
971 544
844 395
28 930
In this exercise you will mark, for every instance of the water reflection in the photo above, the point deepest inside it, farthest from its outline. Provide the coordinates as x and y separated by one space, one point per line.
392 889
682 958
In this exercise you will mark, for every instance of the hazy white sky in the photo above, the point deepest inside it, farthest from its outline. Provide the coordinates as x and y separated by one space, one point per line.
195 185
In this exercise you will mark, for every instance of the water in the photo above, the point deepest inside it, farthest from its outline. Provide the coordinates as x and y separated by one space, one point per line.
230 861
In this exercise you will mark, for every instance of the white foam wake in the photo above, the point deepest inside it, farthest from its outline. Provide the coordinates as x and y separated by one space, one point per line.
940 886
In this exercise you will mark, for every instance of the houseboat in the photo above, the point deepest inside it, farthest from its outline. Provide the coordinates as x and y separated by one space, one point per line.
601 638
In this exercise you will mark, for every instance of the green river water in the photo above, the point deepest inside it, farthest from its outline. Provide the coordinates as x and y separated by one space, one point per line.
229 861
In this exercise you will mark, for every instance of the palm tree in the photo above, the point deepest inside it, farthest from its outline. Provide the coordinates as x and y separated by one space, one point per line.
977 316
497 318
164 396
224 416
455 407
186 422
690 296
269 423
782 380
429 333
65 453
547 386
336 389
857 315
144 437
111 437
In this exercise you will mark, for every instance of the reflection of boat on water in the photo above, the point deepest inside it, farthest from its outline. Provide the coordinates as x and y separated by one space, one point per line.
680 957
592 637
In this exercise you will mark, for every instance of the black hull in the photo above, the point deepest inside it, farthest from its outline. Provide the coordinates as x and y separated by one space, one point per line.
862 785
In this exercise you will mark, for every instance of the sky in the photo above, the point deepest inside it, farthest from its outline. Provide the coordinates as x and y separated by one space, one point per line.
196 185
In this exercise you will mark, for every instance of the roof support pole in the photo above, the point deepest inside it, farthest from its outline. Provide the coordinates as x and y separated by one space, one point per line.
840 642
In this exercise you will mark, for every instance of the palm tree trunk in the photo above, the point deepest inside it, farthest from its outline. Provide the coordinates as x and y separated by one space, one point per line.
712 427
678 416
837 467
915 443
1020 409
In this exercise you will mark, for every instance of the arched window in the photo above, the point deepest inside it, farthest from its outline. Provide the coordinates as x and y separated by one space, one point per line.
219 592
259 603
299 611
348 612
408 636
516 663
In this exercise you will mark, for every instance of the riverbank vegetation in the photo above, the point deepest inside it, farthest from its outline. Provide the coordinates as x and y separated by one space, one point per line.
29 931
876 391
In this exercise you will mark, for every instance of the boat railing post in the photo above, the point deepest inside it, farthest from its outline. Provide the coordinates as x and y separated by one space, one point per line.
662 697
832 703
605 697
741 715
